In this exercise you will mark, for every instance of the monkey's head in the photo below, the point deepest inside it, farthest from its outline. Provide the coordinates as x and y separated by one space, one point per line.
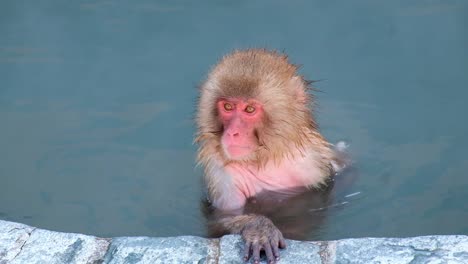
253 107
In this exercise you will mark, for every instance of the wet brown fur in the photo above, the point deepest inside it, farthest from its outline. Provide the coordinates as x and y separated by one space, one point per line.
247 226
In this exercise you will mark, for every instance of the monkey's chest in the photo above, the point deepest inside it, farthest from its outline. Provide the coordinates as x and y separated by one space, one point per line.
285 179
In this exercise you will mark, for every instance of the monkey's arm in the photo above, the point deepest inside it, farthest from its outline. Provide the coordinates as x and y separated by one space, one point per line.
258 232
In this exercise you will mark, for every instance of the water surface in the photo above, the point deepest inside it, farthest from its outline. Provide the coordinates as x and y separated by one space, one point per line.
97 101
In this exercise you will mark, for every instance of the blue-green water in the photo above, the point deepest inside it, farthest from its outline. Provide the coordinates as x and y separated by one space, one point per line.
97 100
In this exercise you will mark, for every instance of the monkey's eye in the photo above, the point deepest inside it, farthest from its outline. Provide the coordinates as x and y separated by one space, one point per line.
250 109
228 107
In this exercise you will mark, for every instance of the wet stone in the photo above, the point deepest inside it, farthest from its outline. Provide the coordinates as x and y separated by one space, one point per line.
426 249
23 244
184 249
13 236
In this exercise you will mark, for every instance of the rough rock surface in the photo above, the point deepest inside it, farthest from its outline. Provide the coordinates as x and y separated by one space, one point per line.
24 244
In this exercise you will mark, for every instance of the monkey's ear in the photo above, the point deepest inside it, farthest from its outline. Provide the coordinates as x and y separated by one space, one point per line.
299 88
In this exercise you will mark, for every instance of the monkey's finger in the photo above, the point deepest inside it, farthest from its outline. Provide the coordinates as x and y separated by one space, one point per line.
256 253
274 246
269 253
247 247
282 243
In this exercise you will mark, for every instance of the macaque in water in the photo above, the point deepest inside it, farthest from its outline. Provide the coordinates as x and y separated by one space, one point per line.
257 135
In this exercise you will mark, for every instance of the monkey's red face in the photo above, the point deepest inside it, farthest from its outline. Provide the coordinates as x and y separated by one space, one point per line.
240 119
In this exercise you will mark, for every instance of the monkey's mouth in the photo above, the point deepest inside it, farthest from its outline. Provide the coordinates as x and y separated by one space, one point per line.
238 151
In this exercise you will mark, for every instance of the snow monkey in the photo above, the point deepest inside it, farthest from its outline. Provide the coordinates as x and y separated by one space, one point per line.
257 134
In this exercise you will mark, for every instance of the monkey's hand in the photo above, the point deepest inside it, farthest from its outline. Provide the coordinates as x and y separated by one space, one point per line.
259 233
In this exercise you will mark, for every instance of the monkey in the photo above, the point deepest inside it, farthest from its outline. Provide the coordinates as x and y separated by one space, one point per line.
257 134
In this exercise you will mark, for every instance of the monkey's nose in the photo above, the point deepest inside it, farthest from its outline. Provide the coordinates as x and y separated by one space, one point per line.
236 134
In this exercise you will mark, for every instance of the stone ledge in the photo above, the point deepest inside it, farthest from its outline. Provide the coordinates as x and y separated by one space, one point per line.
20 243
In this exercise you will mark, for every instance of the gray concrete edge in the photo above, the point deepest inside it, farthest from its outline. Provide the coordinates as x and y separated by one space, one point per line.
20 243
